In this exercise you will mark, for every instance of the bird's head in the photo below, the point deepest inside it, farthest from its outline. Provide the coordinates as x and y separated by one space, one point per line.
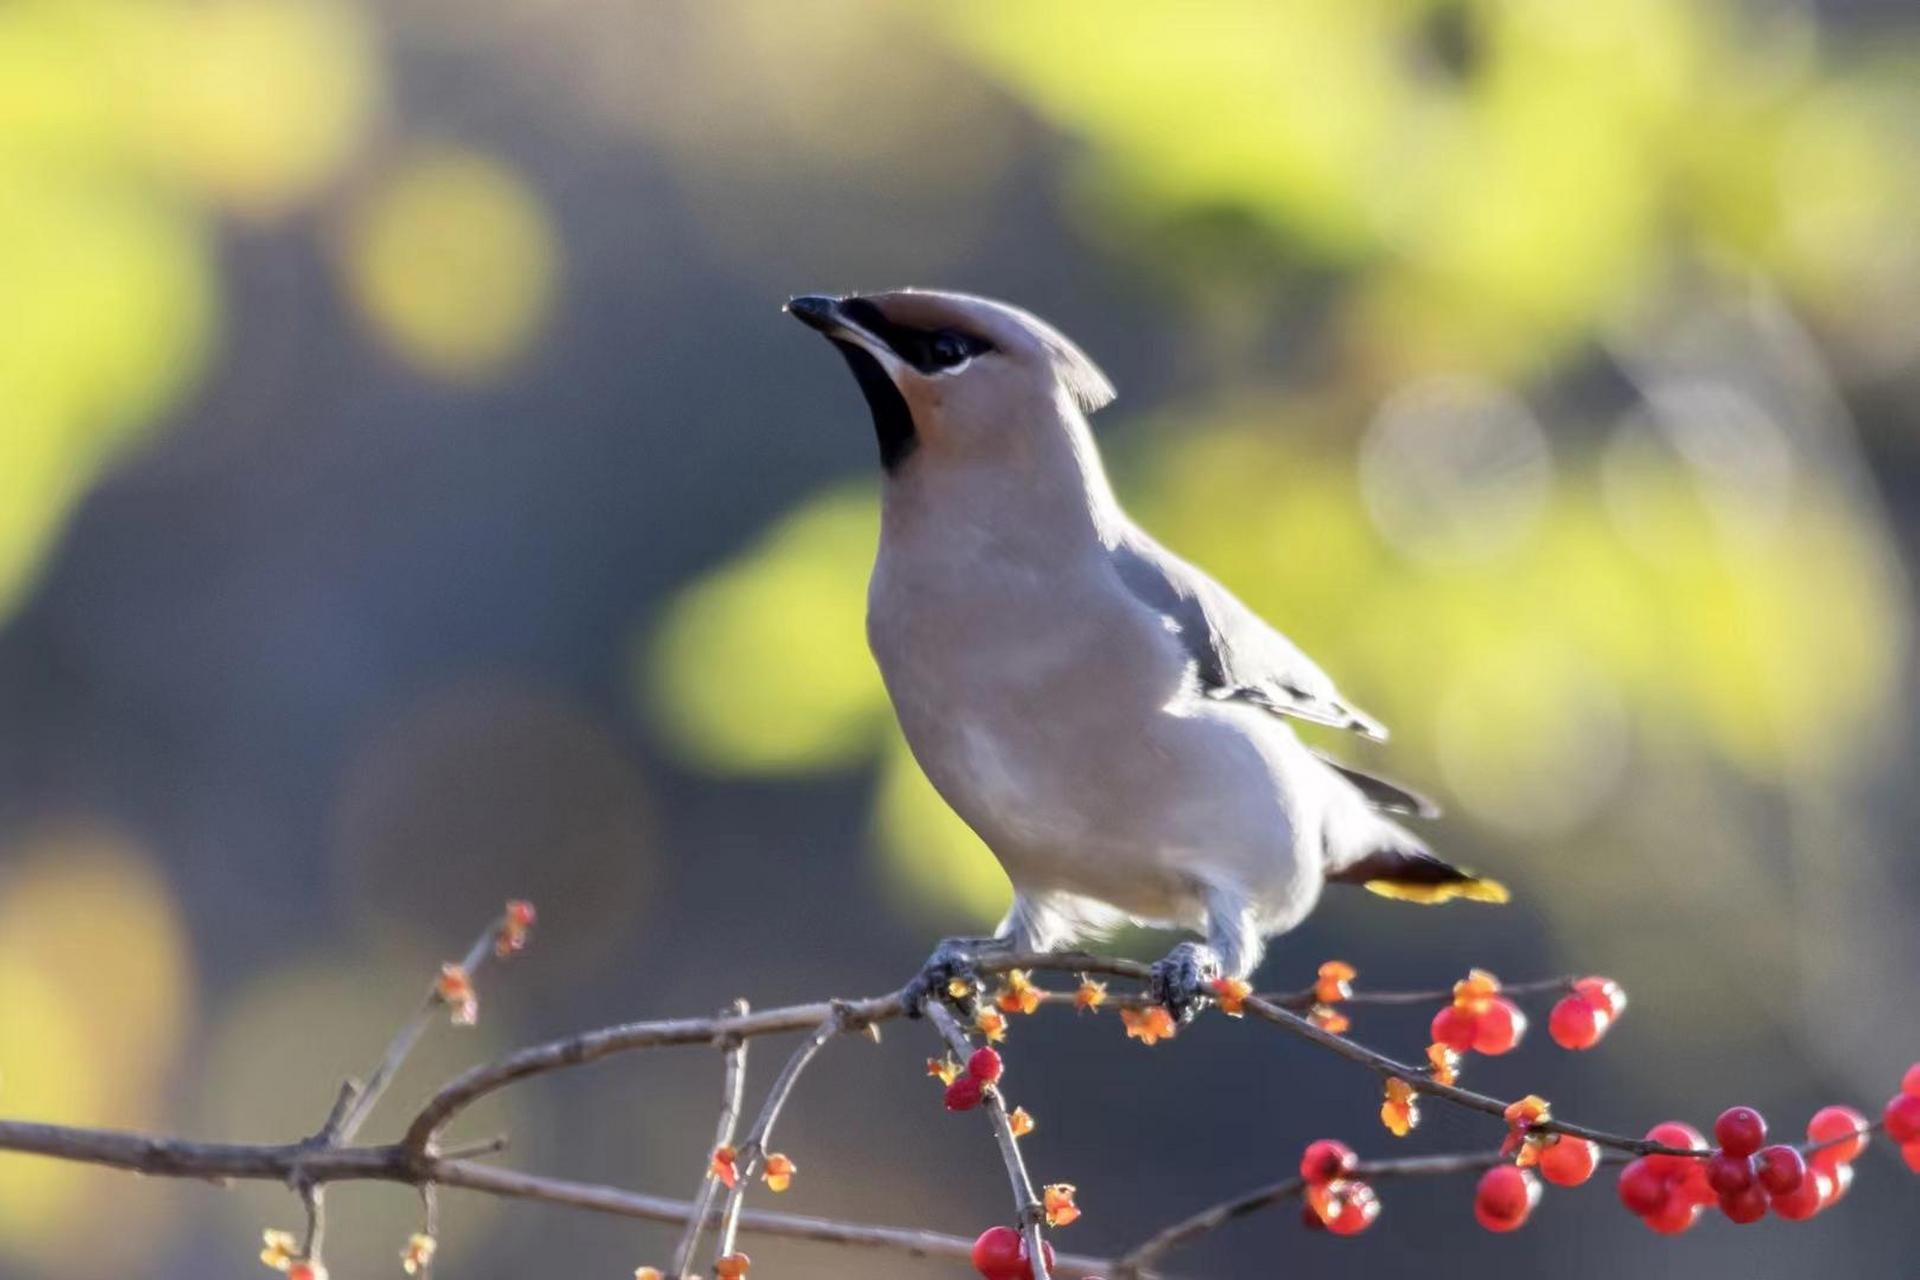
952 374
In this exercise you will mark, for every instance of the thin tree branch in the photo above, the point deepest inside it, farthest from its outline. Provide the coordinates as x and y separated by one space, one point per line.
732 1098
600 1199
1140 1261
345 1127
753 1151
1028 1210
1306 999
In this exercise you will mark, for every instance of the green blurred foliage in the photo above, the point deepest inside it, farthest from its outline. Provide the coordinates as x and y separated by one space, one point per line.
1492 178
127 129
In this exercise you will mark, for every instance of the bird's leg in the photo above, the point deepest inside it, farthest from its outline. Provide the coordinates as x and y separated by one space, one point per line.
954 958
1029 926
1182 983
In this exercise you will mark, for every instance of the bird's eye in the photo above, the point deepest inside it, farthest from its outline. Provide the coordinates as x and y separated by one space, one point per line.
949 349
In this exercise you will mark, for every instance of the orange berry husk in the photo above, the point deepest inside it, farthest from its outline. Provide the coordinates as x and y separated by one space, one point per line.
724 1168
1443 1063
1149 1026
991 1023
779 1171
455 990
647 1273
1521 1116
732 1266
1057 1200
1334 982
1232 994
1090 994
1329 1019
944 1068
418 1255
1019 995
515 924
1476 991
1400 1113
279 1249
1020 1120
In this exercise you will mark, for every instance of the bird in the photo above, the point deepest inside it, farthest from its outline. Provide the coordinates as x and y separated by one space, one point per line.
1114 724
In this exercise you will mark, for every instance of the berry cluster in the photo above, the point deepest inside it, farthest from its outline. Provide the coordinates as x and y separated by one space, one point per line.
1335 1200
1480 1018
1581 1018
966 1086
1744 1177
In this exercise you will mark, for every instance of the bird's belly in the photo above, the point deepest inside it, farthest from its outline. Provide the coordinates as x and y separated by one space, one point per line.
1141 814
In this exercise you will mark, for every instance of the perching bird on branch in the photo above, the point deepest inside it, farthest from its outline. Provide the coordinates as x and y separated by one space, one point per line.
1111 721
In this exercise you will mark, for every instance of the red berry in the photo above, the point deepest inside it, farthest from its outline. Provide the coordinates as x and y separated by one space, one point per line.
1676 1216
1902 1118
1354 1209
1910 1152
963 1094
1910 1082
1604 994
1745 1206
1741 1131
1673 1133
1569 1161
997 1254
1729 1174
1326 1159
1643 1188
1829 1124
1499 1028
1454 1027
985 1065
1804 1200
1780 1169
1576 1024
1505 1197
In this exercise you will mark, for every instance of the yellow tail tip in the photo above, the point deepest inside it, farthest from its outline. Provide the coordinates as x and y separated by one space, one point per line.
1474 890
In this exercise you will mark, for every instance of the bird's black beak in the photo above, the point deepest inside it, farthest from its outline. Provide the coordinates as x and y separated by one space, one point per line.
816 311
851 324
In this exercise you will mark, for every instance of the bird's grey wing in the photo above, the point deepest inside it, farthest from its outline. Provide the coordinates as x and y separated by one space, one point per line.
1235 654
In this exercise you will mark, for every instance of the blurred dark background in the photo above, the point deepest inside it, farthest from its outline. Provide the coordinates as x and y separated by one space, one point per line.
412 497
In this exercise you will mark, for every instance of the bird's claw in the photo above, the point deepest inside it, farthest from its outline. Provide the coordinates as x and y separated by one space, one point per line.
1183 982
954 960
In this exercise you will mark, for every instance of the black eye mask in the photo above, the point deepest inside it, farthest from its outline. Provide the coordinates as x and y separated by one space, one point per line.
928 350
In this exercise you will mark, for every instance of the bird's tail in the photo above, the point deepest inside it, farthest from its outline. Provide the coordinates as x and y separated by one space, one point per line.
1386 859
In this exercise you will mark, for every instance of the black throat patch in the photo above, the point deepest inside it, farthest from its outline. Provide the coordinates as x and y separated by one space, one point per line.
892 420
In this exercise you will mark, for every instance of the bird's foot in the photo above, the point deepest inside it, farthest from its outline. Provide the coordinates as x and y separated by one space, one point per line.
1183 982
953 961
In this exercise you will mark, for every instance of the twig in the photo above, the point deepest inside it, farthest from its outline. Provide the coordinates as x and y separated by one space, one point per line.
1027 1207
365 1097
753 1151
732 1098
911 1242
1306 999
1140 1260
